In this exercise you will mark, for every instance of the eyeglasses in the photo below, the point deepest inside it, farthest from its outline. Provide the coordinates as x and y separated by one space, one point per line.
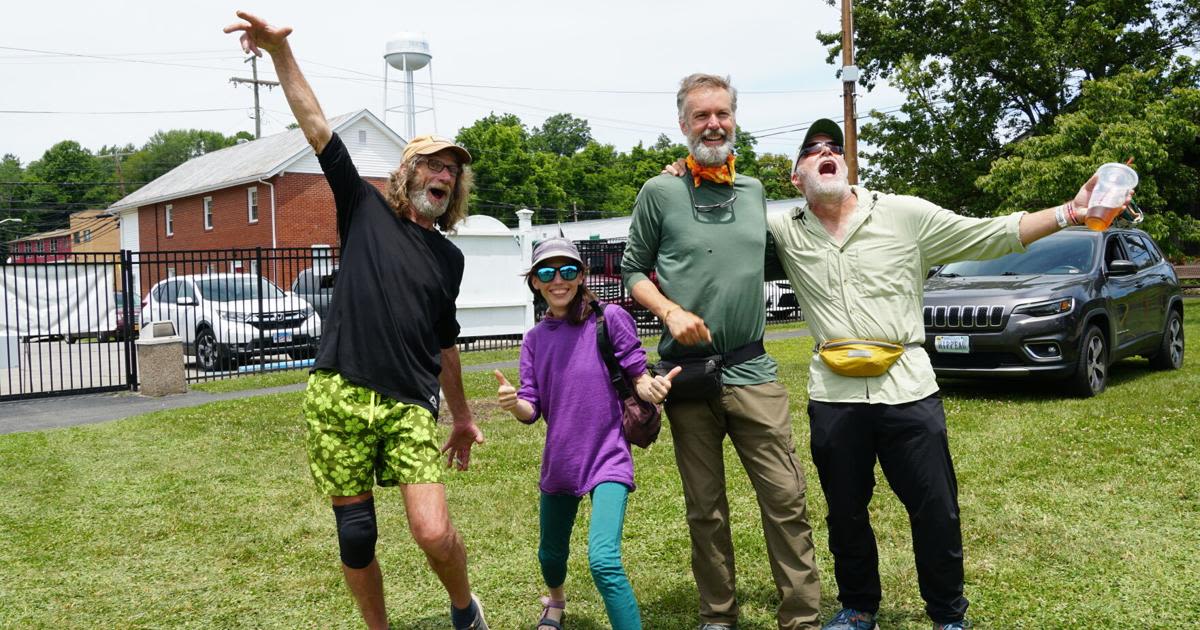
437 166
817 147
566 272
709 207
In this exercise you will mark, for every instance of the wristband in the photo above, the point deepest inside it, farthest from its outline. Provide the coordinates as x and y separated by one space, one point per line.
1060 217
669 311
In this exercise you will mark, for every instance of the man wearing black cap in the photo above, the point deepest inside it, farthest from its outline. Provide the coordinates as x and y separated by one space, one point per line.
387 345
857 261
705 234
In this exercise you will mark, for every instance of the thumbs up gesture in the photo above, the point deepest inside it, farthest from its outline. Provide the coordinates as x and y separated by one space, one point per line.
655 388
506 394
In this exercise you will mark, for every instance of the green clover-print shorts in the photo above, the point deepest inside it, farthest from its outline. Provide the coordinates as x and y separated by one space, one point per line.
357 436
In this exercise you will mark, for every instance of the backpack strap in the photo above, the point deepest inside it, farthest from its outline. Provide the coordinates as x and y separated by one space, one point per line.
608 354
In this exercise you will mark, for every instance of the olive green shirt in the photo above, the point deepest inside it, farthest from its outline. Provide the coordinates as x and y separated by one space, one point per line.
709 261
871 286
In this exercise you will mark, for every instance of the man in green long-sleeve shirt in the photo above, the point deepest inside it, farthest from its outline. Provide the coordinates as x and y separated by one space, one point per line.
705 235
857 261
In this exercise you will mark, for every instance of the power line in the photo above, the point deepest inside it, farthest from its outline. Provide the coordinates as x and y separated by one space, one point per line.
121 113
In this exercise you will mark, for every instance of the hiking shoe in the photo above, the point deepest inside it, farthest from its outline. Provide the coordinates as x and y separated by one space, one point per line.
479 623
850 619
956 625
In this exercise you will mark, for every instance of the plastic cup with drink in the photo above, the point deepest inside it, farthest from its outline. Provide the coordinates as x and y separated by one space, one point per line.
1113 184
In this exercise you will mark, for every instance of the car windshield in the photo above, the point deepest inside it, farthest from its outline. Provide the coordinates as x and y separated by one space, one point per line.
232 289
1052 256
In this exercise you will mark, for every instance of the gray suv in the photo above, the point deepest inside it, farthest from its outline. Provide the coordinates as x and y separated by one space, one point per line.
1067 308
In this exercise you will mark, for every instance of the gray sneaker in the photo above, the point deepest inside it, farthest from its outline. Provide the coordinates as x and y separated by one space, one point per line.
850 619
717 626
479 623
957 625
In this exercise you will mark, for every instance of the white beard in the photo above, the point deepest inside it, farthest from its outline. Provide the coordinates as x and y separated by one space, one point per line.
426 208
822 191
711 156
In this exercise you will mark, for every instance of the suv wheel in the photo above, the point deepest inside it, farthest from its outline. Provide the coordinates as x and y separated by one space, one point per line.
1091 374
1170 350
209 354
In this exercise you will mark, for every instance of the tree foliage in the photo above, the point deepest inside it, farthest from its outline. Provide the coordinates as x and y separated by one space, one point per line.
561 134
982 73
1140 115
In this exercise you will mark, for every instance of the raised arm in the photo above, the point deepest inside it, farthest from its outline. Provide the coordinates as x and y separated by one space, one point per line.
257 36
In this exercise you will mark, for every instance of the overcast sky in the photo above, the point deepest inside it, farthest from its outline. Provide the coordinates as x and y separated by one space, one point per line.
529 58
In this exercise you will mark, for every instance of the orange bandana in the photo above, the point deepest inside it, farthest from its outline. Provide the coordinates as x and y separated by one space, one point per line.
722 174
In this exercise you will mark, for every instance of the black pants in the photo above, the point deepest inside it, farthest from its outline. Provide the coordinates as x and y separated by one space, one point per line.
910 443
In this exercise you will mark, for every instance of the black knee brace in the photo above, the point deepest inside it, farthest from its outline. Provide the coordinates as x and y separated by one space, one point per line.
356 533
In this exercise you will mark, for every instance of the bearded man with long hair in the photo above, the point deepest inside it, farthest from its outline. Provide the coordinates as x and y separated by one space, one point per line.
387 346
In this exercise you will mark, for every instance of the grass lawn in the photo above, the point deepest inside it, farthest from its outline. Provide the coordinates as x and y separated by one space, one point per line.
1076 513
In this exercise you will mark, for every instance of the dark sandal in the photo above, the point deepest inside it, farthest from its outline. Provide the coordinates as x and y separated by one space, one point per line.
546 621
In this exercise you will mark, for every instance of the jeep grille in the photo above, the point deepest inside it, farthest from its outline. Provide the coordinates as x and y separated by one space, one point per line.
975 317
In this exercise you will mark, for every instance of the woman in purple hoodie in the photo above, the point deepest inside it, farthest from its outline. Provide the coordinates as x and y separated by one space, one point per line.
564 380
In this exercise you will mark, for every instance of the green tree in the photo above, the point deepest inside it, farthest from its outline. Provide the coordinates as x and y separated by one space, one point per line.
982 73
1151 119
167 149
561 134
775 172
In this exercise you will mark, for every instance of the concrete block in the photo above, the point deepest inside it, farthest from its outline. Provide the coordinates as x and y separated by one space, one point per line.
160 366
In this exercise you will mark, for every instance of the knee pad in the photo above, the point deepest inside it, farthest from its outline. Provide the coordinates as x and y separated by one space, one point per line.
356 533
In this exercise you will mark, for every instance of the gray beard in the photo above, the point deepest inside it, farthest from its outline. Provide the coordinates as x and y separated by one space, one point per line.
424 207
823 192
710 156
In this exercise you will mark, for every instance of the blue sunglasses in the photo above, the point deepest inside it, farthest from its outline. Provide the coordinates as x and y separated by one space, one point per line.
567 272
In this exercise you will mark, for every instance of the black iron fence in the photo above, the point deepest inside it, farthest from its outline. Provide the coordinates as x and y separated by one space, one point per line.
70 326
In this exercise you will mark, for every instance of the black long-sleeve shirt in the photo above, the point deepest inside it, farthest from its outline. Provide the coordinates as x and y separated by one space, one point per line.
393 303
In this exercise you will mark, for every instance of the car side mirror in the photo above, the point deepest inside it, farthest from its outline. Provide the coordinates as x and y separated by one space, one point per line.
1121 268
932 271
186 301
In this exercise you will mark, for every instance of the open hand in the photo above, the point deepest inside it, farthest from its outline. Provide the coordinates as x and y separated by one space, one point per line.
676 168
256 33
457 448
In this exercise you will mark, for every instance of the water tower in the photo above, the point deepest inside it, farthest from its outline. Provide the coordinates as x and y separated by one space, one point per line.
407 52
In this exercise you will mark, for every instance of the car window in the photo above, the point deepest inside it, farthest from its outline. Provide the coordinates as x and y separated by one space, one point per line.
185 290
1113 250
1138 253
1155 254
231 289
304 282
1064 255
167 292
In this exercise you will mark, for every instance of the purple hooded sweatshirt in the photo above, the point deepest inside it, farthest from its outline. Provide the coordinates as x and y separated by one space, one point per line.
563 376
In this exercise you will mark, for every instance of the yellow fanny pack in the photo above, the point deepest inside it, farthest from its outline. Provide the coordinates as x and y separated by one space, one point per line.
859 357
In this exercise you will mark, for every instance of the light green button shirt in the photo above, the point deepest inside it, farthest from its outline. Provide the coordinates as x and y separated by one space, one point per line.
871 286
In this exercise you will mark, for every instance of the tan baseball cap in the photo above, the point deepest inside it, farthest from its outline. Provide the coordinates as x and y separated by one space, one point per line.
430 144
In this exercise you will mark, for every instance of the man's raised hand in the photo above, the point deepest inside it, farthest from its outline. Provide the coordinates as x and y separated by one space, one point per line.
257 33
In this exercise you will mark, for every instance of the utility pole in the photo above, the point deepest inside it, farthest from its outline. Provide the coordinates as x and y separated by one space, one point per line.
120 176
255 82
849 78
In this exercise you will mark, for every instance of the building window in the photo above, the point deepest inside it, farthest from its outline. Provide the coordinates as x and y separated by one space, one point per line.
362 136
208 221
53 245
170 220
78 236
87 236
252 204
170 272
41 246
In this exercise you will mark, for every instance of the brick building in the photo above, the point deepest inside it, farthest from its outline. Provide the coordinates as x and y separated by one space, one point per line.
43 247
267 193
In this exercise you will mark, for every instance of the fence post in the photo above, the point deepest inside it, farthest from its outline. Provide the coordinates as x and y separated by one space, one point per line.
525 229
258 267
131 366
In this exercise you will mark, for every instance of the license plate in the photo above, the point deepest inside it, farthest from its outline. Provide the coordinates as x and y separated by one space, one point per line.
283 336
952 344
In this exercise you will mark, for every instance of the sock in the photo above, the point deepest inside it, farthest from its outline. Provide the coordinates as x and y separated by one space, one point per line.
463 617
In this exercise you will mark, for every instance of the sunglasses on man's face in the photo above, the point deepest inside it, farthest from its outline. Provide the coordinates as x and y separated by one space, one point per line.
566 272
817 147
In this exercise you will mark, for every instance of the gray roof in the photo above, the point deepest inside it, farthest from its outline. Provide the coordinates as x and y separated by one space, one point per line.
231 166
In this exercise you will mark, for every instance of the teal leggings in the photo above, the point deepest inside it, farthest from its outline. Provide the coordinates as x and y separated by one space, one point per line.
604 549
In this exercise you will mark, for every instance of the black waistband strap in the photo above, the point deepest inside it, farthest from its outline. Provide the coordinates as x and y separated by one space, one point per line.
741 354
